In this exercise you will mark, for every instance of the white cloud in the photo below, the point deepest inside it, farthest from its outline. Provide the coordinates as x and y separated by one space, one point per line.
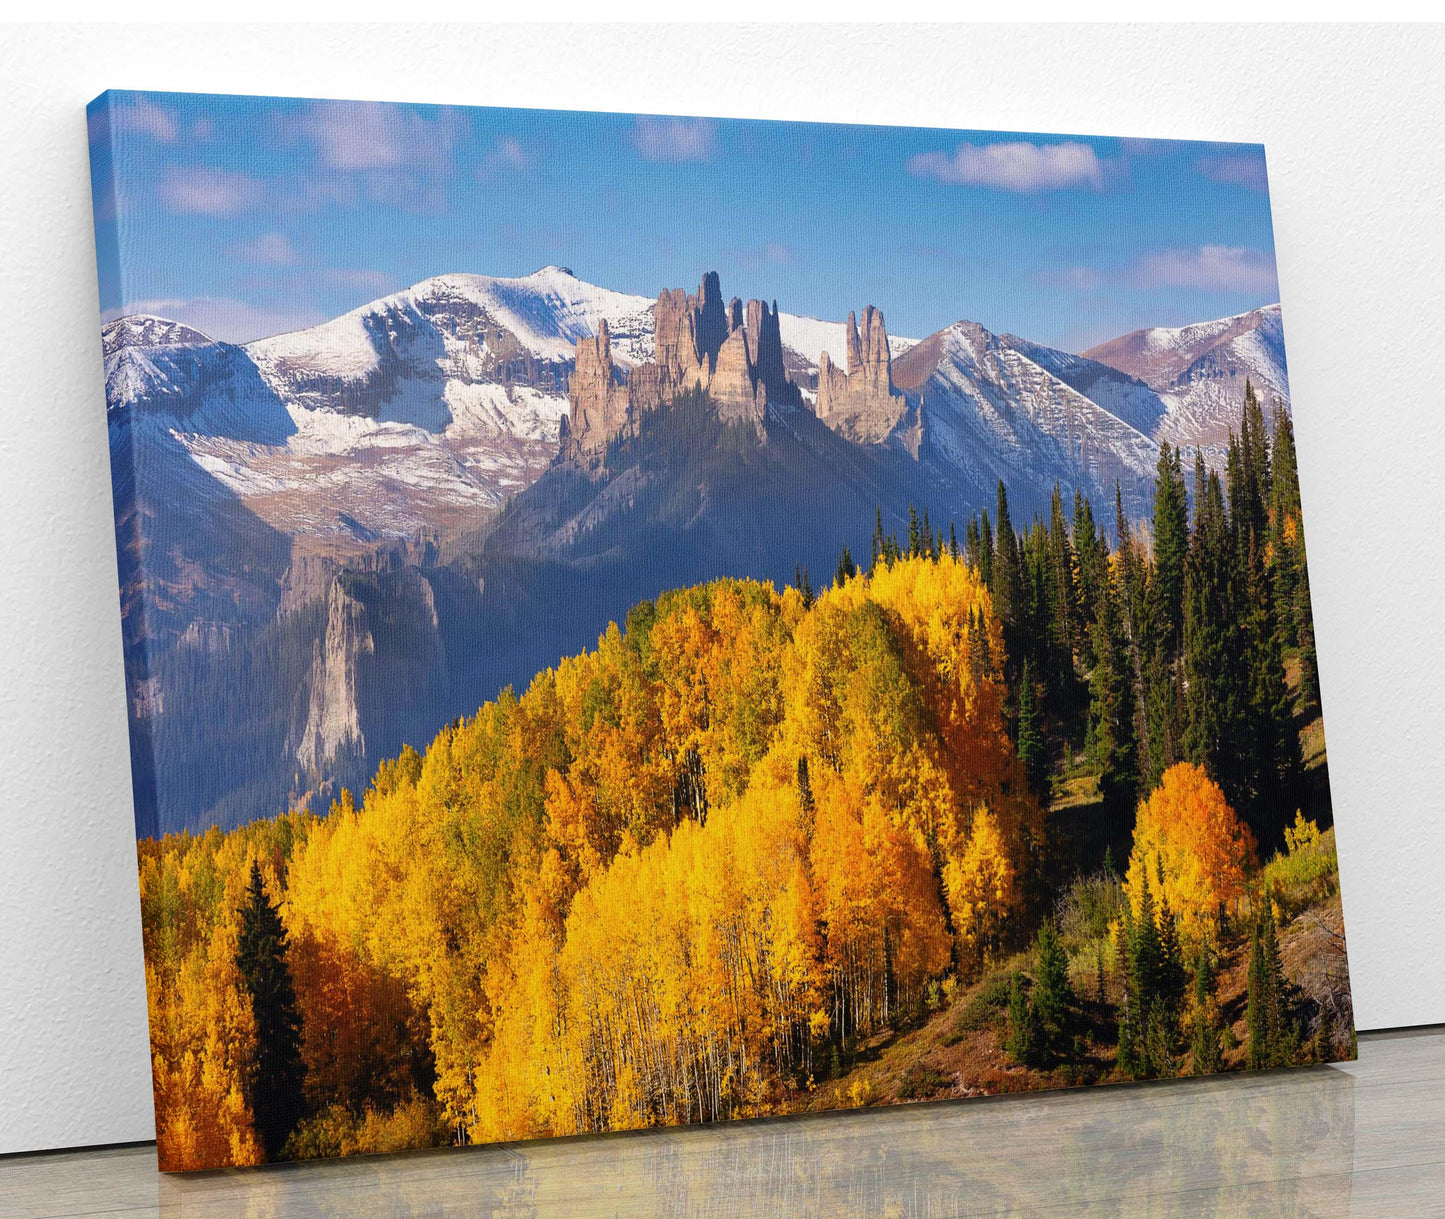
1219 267
508 157
210 192
1238 169
381 136
510 152
675 139
224 318
142 116
273 249
1017 165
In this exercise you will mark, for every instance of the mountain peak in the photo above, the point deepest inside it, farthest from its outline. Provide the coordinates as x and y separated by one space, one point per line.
1161 356
149 330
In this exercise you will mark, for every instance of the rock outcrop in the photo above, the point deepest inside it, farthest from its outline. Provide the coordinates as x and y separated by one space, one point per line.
333 719
600 405
733 351
861 403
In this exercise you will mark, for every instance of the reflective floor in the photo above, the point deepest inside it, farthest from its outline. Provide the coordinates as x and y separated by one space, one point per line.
1367 1139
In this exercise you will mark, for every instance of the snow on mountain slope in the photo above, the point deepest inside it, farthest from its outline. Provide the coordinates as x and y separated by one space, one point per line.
1199 372
417 411
425 410
808 338
992 408
1118 393
478 319
1161 356
147 330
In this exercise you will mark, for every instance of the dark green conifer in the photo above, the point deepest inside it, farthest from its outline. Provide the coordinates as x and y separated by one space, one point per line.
1205 1052
1112 747
1023 1040
1171 546
1030 735
1053 996
1006 567
276 1075
985 549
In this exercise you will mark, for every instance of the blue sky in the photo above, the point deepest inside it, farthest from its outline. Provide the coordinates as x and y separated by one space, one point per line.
249 216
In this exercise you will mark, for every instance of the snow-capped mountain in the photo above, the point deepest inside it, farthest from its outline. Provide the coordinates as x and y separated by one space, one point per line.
324 515
410 414
147 330
405 415
1199 372
995 407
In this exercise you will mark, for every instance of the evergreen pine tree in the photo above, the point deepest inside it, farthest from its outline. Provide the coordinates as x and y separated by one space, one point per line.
1171 546
1271 1040
1207 1057
952 541
1215 665
1286 534
274 1082
1172 975
1164 709
1091 560
1023 1041
1053 996
1066 597
1030 735
1111 710
1309 664
1133 1002
1145 950
1256 1014
847 569
1006 566
985 549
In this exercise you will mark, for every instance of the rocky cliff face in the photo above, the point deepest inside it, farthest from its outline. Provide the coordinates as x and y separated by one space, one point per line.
732 351
600 406
860 403
333 720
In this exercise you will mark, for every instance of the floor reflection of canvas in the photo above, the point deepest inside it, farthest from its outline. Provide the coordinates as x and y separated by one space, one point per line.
633 621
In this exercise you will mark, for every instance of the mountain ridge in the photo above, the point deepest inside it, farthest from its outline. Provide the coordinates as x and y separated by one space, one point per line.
337 539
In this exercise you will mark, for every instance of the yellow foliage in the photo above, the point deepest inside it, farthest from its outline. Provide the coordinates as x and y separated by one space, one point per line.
981 888
1187 829
647 891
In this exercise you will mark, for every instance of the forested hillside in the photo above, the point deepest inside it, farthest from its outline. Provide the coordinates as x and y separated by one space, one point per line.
1013 788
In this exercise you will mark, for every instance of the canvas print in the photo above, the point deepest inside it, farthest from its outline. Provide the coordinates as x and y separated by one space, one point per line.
639 620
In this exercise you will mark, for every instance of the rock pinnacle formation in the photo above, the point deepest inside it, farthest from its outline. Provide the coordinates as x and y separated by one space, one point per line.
732 351
861 403
600 405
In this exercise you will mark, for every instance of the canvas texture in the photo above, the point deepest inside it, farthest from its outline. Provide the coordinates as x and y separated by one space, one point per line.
638 620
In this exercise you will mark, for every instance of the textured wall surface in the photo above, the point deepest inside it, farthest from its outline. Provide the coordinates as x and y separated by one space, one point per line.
1352 121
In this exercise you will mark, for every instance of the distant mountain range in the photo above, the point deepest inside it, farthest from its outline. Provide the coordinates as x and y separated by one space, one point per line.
333 541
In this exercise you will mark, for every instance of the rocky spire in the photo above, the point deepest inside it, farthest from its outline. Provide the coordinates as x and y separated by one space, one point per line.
711 318
732 351
766 343
861 403
600 407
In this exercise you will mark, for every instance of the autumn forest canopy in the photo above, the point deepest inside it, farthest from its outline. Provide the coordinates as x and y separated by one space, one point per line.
1019 807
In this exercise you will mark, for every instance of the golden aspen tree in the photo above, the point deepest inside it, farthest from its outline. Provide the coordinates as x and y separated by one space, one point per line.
1188 839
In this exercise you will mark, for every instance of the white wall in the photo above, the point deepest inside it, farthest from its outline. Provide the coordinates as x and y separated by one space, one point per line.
1352 120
